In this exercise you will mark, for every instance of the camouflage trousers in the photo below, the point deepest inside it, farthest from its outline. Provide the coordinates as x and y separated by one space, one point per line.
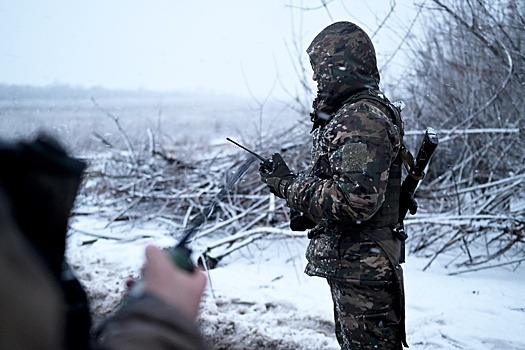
365 313
366 291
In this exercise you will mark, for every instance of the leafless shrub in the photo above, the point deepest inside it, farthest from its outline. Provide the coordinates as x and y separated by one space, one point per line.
469 75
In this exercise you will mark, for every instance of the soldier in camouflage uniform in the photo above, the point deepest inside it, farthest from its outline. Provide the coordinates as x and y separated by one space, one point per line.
349 196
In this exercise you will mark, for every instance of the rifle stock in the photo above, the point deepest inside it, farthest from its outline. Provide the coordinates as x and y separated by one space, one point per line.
415 175
417 172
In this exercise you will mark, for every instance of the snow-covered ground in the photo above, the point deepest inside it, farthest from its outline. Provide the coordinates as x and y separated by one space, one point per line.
259 297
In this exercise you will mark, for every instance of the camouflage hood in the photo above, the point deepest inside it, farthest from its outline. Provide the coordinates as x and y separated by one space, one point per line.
344 63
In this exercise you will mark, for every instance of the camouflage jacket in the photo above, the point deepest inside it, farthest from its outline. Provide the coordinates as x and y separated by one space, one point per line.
346 182
351 158
355 142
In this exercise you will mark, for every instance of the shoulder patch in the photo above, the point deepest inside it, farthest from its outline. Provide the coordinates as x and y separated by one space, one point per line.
354 157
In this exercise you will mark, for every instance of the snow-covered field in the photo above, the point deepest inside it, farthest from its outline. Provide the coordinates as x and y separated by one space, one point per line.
259 297
174 119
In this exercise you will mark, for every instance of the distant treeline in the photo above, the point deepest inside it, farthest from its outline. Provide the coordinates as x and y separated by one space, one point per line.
65 91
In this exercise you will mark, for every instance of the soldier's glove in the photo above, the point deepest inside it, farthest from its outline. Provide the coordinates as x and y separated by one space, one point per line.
299 221
276 175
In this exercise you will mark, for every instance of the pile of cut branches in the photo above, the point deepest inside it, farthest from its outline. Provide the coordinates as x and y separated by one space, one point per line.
480 223
476 217
177 187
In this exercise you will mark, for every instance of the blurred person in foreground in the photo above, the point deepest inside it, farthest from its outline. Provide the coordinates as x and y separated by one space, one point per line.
349 196
42 304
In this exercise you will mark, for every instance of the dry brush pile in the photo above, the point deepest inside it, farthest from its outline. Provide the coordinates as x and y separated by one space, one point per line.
477 224
217 188
482 224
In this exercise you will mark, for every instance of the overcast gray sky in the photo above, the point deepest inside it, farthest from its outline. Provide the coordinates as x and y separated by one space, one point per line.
221 45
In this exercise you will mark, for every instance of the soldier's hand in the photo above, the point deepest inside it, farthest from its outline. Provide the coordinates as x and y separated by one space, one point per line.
278 176
300 221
